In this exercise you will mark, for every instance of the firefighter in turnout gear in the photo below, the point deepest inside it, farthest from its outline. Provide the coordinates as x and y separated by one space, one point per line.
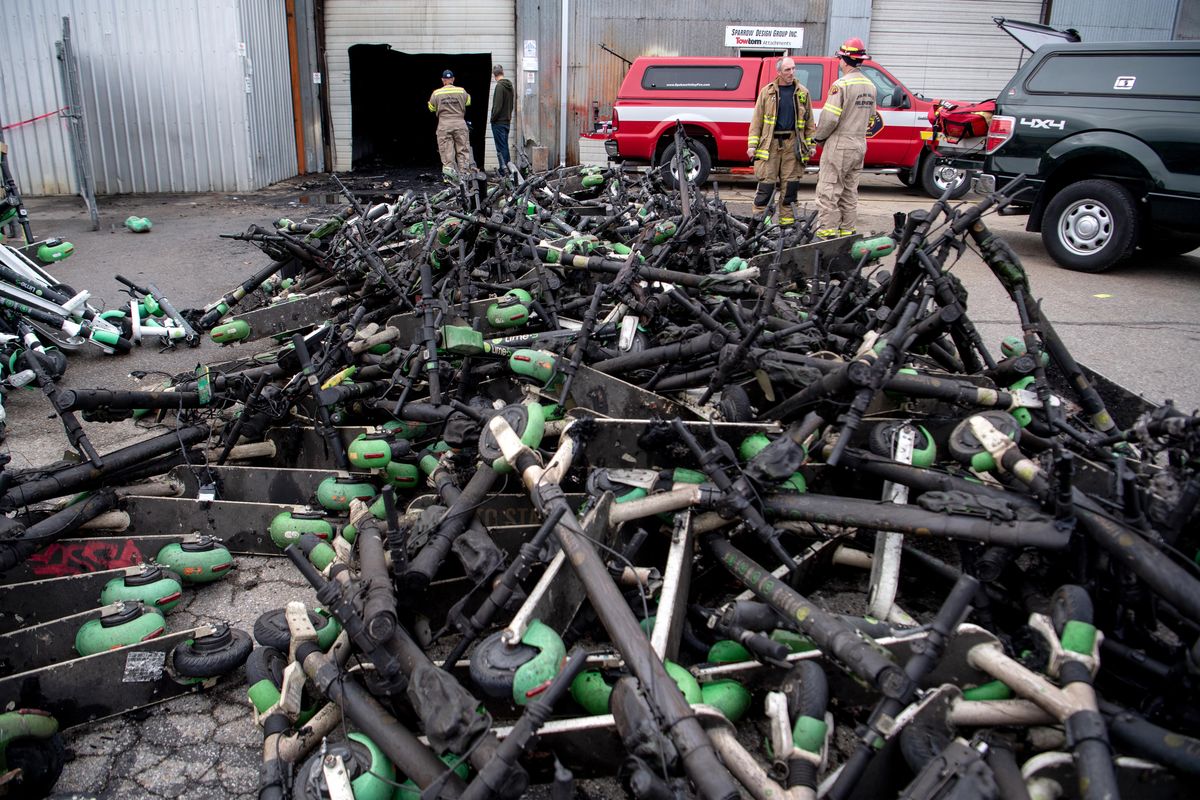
450 104
780 141
842 134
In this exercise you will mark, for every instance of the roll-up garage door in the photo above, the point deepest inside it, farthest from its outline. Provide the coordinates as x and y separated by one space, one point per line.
945 49
385 58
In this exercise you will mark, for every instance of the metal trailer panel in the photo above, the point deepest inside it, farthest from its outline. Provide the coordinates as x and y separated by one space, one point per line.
1116 20
164 94
268 91
949 50
410 26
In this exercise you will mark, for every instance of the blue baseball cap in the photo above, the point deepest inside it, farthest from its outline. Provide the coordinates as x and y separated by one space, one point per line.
447 73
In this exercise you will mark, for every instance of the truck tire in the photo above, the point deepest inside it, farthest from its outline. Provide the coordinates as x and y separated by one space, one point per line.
1090 226
697 158
935 179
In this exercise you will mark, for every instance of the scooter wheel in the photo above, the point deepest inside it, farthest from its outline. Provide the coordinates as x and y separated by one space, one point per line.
211 656
271 629
371 774
1070 603
494 665
735 404
39 763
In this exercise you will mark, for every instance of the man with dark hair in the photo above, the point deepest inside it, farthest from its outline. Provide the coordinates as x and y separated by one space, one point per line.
842 134
450 104
502 111
780 140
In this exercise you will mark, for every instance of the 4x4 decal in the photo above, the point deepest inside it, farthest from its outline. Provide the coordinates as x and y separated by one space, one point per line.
1035 123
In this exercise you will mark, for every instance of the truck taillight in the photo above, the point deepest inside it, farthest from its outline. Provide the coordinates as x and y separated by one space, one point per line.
1000 131
615 120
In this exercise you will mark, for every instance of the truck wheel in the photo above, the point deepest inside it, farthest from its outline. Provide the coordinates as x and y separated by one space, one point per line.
697 163
936 179
1090 226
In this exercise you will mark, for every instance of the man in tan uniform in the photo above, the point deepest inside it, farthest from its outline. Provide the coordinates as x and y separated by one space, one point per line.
450 104
842 132
780 140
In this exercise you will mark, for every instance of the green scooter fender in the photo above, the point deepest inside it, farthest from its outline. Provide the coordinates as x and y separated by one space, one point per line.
336 493
152 585
132 623
54 250
511 311
24 723
288 526
203 561
727 696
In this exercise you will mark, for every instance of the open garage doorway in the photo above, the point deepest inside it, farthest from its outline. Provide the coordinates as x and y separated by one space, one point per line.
389 91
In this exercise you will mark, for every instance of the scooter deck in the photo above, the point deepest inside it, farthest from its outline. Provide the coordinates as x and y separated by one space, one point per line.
103 685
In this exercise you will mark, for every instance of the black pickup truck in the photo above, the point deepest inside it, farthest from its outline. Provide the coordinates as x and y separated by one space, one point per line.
1109 135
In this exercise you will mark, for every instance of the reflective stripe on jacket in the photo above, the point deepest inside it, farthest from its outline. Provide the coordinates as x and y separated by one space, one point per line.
450 104
766 108
848 111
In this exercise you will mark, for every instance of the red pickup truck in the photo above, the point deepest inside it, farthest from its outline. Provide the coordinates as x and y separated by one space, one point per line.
714 97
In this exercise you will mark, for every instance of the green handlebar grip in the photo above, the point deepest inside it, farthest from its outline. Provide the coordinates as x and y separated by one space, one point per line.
808 734
228 332
873 249
1078 637
992 690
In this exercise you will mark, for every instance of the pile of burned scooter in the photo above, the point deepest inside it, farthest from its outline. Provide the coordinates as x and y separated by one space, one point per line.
592 478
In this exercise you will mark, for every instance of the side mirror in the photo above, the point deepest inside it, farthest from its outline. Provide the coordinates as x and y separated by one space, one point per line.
899 99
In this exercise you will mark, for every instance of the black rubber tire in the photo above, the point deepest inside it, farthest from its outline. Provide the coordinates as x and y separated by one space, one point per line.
1072 213
703 165
1167 245
265 663
735 404
1070 602
193 662
933 185
40 761
271 630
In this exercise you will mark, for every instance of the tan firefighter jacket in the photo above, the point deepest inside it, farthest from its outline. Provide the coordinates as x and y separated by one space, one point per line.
762 124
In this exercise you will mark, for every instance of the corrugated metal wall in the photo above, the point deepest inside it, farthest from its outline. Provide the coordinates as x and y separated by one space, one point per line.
268 92
164 94
411 26
1116 20
950 50
847 18
633 28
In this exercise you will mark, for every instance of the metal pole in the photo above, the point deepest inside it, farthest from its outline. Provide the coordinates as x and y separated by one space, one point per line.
562 79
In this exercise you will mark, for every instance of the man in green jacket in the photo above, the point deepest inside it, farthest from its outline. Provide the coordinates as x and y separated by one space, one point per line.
502 111
780 140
